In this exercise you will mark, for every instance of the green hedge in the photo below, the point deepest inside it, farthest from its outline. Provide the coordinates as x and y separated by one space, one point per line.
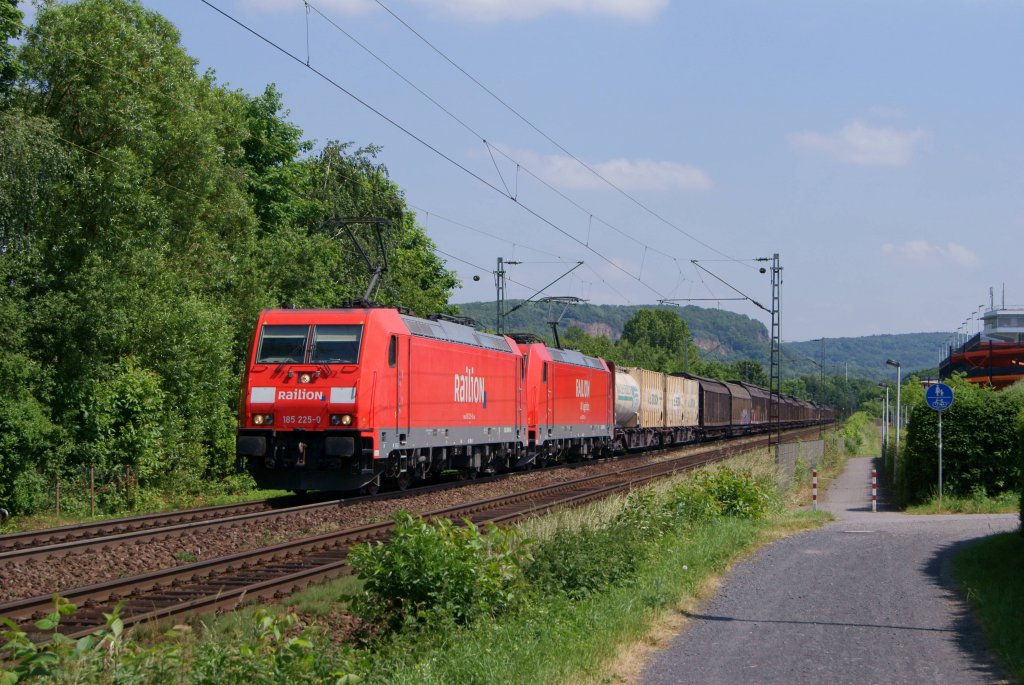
981 435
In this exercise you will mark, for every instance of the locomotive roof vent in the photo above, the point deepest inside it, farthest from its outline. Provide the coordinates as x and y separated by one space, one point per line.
461 320
358 303
525 338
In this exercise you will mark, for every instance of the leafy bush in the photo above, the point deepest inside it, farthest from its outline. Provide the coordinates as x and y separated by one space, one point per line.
438 570
981 448
577 563
738 494
690 501
645 515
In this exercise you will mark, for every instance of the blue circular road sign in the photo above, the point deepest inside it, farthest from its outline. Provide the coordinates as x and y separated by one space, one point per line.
939 396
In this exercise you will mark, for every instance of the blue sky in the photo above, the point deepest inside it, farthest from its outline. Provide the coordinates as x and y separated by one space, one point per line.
876 145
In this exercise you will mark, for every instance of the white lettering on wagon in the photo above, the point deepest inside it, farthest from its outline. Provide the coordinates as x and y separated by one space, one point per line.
469 388
582 387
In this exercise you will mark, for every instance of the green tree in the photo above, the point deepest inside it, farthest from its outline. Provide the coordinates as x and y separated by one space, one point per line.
660 338
796 387
595 346
10 29
749 371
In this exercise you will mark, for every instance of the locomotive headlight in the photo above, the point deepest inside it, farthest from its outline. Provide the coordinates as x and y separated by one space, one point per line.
335 419
263 419
305 378
346 419
257 419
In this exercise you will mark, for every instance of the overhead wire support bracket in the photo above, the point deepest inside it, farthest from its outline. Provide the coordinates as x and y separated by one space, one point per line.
499 283
568 301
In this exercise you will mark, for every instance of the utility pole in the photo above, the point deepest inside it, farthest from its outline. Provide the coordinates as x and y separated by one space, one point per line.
499 283
775 375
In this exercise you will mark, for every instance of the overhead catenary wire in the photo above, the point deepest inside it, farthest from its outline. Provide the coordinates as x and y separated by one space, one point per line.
514 245
422 141
547 137
491 147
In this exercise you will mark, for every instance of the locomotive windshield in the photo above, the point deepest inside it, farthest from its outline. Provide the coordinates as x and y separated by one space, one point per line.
336 344
283 345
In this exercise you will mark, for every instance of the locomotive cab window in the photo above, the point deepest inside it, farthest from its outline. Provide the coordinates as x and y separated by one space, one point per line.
393 352
336 344
282 345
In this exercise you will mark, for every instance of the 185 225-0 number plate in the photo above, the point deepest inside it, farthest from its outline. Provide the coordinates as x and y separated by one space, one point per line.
301 420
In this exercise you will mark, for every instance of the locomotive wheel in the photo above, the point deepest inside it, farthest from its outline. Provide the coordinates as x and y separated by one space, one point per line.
403 480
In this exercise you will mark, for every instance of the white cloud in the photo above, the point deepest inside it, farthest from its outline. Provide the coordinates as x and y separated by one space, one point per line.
924 253
486 10
641 174
858 143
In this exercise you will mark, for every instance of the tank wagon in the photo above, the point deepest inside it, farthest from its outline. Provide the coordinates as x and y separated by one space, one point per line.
351 398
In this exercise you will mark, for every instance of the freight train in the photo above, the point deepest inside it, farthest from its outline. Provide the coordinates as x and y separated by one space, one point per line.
348 399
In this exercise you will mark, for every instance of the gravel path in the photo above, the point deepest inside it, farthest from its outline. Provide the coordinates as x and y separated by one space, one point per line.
867 599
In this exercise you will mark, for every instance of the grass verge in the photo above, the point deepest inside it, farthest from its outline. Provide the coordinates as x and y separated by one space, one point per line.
531 647
151 505
990 578
1004 503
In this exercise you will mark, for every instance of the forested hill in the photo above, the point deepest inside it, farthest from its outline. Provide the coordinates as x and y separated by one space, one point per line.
727 336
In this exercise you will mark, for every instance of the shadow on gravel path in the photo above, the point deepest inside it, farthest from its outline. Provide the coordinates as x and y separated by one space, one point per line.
969 639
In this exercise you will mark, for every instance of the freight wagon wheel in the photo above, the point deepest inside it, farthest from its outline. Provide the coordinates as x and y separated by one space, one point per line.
372 487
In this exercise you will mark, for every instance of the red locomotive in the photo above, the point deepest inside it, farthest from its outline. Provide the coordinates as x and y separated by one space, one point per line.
569 403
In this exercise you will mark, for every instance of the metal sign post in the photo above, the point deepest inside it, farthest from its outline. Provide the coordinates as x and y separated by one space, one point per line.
940 458
940 398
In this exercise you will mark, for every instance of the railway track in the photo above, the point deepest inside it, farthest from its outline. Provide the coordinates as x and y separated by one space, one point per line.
52 543
278 570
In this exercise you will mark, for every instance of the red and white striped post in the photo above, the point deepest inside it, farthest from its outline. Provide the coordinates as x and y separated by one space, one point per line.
874 490
814 490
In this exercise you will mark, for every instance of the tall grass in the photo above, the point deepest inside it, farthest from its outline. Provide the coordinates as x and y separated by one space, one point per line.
989 575
976 503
